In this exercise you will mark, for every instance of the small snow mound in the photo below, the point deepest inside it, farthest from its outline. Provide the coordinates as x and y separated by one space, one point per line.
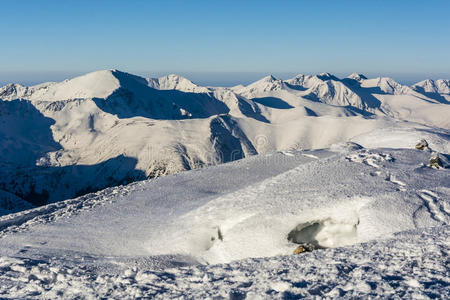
345 147
403 138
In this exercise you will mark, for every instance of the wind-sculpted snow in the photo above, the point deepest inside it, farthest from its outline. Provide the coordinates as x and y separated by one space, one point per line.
374 210
70 137
18 222
380 218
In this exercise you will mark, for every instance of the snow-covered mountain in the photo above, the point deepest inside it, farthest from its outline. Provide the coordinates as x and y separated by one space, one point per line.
436 89
357 77
176 82
440 86
59 140
338 179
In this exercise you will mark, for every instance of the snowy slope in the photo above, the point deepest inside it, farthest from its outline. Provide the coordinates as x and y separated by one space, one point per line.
99 84
176 82
380 96
381 214
316 160
440 86
62 140
328 89
435 89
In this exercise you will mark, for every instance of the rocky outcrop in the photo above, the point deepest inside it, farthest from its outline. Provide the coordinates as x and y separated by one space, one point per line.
422 145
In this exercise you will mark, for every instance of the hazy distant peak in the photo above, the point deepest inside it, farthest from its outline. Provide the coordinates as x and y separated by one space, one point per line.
299 76
298 79
271 77
440 86
12 90
268 78
387 85
327 76
308 81
176 82
266 81
356 76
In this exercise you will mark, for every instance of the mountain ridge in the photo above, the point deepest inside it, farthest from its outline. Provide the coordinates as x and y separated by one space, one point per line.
117 127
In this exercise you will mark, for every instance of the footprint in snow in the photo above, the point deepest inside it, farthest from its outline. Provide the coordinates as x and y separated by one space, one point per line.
437 210
370 158
394 180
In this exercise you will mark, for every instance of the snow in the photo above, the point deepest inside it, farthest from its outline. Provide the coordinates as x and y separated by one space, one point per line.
228 182
98 84
109 127
176 82
440 86
385 231
386 85
10 203
405 266
357 77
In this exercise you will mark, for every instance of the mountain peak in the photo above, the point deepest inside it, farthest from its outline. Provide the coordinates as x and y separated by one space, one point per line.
440 86
176 82
268 78
327 76
175 76
356 76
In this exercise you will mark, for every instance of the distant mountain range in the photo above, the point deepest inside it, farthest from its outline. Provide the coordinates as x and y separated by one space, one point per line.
59 140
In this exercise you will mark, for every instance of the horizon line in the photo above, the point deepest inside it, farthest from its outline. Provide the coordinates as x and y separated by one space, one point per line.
223 78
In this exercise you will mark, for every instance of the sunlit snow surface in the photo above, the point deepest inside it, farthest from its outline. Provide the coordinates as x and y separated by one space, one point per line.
383 212
375 210
60 140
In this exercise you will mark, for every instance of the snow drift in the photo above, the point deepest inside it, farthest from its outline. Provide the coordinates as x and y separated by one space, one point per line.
373 215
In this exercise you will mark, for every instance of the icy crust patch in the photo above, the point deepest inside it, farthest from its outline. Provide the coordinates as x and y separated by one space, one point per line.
413 265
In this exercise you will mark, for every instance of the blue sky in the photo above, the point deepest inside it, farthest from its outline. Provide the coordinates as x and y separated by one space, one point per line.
224 41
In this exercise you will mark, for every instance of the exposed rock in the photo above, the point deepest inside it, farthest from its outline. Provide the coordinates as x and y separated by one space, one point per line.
435 161
307 247
422 145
